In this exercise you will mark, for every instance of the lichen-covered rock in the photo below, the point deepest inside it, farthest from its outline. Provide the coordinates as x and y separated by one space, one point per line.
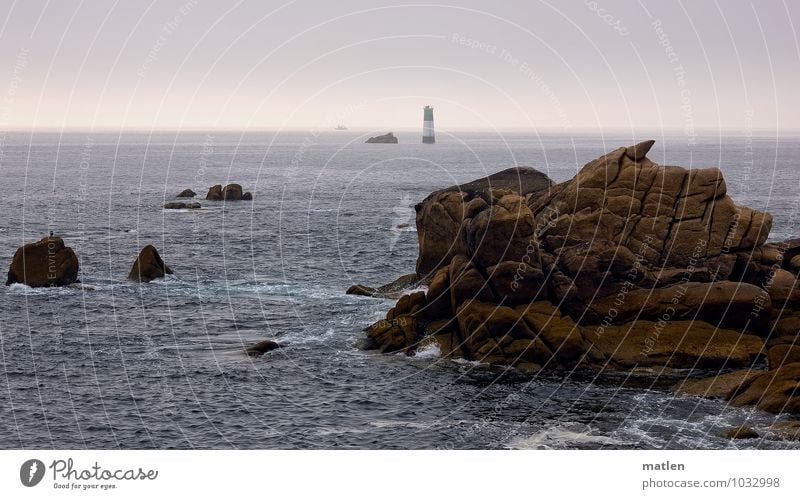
47 262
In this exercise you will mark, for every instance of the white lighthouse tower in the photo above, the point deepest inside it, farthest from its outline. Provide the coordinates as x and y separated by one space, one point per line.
427 127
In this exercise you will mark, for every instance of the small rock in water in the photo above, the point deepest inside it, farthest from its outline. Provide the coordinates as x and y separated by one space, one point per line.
214 193
47 262
739 433
261 348
174 205
187 193
361 290
402 226
148 266
232 192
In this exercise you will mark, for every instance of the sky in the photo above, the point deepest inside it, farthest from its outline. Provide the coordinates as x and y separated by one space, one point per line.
304 64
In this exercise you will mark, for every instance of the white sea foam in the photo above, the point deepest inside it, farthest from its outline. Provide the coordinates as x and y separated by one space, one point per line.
563 436
429 351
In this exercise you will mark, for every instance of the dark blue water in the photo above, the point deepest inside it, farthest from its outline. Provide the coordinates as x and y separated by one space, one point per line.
122 365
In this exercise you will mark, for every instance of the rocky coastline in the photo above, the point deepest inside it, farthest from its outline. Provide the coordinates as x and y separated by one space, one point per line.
630 265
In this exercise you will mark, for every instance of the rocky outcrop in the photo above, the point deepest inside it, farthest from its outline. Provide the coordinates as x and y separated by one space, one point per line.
628 265
443 216
388 138
47 262
187 193
231 192
214 193
148 266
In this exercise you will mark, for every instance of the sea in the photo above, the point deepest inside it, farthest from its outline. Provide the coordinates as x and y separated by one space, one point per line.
121 365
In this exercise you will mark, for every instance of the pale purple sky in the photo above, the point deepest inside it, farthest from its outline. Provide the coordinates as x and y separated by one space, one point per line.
306 64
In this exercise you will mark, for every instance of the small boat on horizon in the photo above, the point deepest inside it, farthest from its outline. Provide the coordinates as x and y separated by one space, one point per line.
340 127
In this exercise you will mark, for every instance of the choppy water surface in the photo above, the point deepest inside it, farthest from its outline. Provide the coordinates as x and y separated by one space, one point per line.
124 365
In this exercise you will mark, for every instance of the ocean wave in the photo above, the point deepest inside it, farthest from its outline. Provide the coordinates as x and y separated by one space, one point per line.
565 436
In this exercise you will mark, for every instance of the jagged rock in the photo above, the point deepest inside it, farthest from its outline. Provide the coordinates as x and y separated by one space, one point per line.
47 262
214 193
388 138
629 264
148 266
640 150
187 193
262 347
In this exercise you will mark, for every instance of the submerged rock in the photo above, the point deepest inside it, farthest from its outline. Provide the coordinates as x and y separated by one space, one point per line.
388 138
628 265
739 433
261 348
47 262
360 290
394 289
178 205
148 266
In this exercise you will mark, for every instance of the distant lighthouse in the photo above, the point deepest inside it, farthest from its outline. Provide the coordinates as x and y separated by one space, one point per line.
427 127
